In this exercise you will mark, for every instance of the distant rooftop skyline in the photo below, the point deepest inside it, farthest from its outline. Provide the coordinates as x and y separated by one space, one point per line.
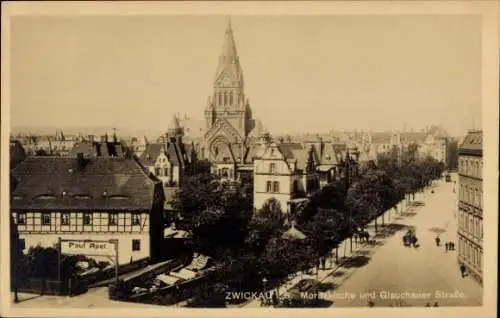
302 74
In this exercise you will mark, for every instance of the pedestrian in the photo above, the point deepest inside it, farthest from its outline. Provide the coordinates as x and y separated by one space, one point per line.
462 269
446 247
428 305
452 246
438 240
436 304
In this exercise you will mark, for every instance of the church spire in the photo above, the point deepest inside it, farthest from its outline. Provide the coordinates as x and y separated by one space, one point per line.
228 59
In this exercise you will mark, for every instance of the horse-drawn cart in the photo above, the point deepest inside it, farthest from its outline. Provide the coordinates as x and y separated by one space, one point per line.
410 238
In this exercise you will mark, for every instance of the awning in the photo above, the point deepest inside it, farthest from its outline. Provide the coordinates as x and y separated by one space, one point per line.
167 279
174 233
184 274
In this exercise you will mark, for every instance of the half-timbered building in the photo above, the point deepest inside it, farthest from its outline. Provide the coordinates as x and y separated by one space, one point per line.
95 199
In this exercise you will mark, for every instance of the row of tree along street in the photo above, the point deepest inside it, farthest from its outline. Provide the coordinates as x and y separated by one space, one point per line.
252 246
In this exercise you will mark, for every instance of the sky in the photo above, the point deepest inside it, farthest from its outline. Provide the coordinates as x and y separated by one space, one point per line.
303 74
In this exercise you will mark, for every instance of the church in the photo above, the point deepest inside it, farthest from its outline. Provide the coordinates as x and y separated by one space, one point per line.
231 133
239 148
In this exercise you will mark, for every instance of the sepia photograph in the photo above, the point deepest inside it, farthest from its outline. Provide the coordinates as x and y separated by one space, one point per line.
249 157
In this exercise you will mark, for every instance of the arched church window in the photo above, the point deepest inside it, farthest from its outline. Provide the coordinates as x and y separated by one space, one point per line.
230 98
220 98
225 98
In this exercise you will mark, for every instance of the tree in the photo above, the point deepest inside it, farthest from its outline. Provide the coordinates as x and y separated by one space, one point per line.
215 212
365 199
271 209
326 230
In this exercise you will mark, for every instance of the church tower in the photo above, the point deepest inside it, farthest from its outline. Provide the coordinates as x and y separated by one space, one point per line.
228 100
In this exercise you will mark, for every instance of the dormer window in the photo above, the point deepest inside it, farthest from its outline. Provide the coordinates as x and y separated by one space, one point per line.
118 197
82 196
327 157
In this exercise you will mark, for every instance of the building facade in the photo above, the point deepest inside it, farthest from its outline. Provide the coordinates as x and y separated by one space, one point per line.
284 172
470 204
96 199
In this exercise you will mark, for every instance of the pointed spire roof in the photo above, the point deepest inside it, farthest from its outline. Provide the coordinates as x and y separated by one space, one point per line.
174 124
228 59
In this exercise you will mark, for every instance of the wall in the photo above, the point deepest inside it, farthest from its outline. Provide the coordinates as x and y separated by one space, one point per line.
263 174
470 214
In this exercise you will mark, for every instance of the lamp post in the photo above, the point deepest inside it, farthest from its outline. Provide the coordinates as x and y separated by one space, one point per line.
264 281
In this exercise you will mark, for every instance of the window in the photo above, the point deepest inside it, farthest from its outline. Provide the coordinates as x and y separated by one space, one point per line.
472 197
21 218
136 219
268 186
272 168
65 218
230 98
166 171
112 219
478 203
87 218
225 172
158 171
46 218
136 245
328 158
276 187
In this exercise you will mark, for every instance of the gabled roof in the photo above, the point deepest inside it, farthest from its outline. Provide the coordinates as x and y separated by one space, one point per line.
153 150
329 155
295 151
47 183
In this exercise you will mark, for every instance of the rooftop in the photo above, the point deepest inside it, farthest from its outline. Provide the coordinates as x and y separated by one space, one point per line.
87 184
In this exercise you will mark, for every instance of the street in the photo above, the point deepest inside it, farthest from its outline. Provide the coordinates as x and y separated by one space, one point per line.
428 271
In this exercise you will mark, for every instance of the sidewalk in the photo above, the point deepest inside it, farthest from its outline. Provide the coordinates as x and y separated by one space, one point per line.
328 276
